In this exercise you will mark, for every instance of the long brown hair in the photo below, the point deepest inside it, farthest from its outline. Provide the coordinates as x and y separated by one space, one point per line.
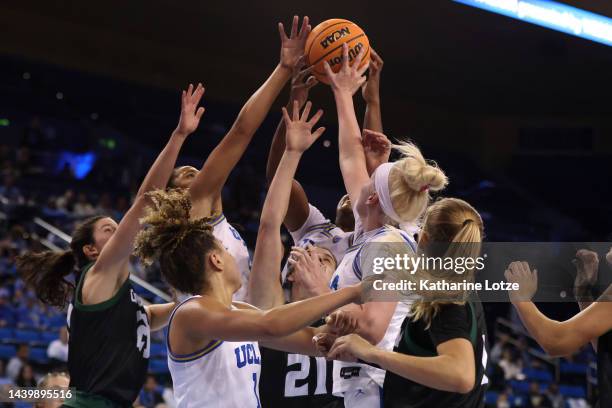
179 243
45 272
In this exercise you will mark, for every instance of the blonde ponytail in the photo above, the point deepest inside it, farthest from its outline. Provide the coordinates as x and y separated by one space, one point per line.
410 180
458 224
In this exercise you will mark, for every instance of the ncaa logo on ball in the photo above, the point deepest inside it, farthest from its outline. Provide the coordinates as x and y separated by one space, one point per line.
335 36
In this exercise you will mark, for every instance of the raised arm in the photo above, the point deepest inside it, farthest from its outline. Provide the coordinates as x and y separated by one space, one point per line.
297 212
111 267
206 188
264 281
370 91
556 338
352 159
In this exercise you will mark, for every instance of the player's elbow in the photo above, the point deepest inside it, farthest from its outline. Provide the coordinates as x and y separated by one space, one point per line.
463 382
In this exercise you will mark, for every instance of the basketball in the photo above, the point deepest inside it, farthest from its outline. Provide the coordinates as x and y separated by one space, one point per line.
325 44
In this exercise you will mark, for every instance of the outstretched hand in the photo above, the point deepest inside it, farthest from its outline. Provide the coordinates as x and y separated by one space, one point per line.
520 272
299 129
292 47
370 90
350 77
190 113
587 266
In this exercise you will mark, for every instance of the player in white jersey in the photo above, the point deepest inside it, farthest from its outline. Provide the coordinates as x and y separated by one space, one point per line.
205 186
308 227
395 193
210 337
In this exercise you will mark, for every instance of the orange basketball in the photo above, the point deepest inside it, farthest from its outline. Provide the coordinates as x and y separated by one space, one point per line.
324 43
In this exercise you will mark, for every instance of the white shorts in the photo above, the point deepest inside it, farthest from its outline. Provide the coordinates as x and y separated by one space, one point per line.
369 396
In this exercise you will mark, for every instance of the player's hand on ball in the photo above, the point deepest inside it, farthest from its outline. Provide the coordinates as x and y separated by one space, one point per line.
520 272
350 348
370 90
300 87
292 47
190 112
299 129
350 78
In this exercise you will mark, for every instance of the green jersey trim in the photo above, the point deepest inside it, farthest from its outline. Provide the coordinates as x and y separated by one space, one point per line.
98 306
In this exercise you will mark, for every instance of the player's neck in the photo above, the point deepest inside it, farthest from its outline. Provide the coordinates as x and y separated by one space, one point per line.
219 290
373 220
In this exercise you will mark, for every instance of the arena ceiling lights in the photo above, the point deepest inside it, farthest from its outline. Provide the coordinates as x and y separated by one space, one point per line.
553 15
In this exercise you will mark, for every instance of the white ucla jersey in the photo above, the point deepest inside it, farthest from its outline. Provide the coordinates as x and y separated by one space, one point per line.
351 376
321 232
235 245
223 374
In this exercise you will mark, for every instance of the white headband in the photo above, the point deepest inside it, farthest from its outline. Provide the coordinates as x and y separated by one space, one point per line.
381 184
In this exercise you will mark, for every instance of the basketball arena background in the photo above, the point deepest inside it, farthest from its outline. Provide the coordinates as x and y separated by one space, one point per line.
518 115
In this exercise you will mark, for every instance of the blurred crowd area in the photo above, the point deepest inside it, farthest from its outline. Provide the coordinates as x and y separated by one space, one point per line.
78 152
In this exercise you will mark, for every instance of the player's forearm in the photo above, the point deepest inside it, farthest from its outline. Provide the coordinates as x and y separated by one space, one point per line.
547 332
299 342
277 147
349 137
373 116
352 157
286 319
277 199
444 373
372 325
257 107
158 175
226 155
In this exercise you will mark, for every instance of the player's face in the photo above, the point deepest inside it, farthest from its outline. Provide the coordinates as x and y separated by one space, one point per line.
326 260
184 176
232 273
103 229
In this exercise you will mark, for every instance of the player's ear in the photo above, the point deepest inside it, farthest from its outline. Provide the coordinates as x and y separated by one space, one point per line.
215 259
90 251
372 199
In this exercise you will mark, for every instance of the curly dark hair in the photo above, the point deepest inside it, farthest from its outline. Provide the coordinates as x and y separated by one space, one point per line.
179 243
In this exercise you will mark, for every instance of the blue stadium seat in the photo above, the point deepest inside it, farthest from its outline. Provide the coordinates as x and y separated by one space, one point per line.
520 387
573 368
49 336
158 350
491 397
572 391
39 355
57 321
7 351
537 375
158 366
6 334
26 336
